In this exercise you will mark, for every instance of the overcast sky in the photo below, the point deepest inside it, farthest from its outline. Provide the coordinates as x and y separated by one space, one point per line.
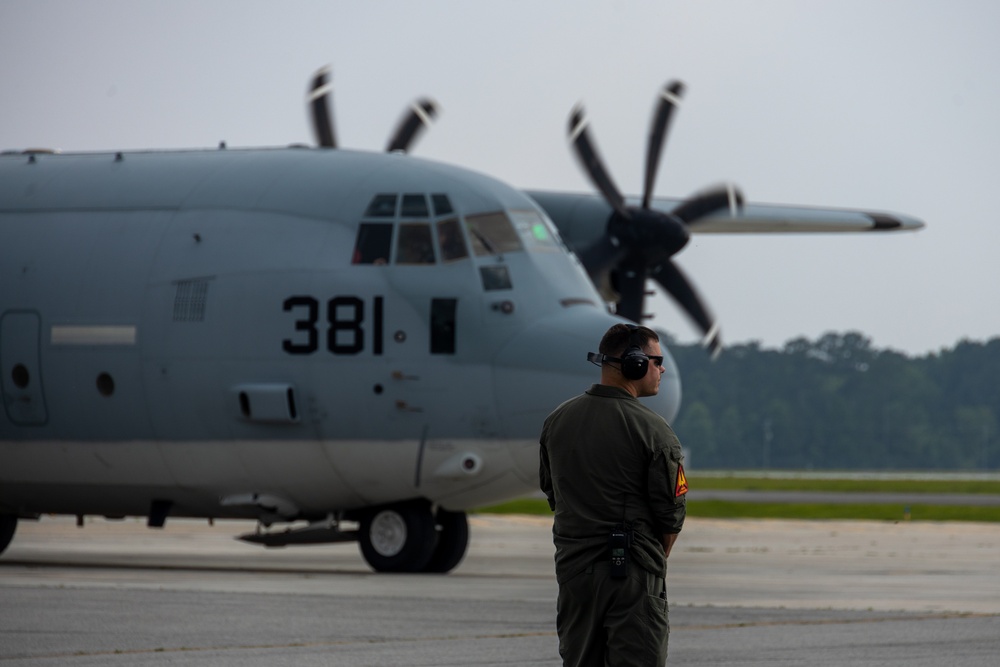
883 105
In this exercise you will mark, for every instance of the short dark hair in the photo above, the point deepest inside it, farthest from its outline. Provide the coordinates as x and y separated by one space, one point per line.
617 339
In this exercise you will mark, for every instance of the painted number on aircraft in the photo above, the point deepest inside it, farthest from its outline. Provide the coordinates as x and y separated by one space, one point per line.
345 317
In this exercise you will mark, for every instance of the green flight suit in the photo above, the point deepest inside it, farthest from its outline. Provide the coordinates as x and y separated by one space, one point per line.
606 460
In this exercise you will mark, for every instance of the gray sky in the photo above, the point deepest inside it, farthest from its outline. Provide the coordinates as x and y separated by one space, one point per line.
889 105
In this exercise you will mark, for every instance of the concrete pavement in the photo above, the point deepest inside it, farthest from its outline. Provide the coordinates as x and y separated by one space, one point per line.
741 593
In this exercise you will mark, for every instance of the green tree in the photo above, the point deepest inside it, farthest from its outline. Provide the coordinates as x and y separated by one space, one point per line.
838 402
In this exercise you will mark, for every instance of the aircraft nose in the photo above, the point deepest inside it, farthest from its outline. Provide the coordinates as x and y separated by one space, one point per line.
546 364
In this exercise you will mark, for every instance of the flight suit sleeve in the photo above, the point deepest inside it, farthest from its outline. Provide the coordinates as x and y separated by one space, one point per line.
667 488
544 474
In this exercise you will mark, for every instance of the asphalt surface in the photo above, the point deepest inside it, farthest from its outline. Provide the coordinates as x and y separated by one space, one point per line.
741 593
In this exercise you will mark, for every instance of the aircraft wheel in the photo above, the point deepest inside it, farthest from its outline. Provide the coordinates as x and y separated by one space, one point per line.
8 523
452 541
398 538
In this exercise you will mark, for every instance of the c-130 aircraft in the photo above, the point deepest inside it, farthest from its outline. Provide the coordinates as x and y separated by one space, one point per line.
359 345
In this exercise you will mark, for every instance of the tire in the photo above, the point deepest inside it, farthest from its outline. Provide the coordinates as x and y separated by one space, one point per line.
398 538
452 541
8 524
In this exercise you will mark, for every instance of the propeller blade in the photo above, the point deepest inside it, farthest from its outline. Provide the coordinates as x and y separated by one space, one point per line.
602 255
319 93
419 116
670 98
709 201
631 284
579 137
673 280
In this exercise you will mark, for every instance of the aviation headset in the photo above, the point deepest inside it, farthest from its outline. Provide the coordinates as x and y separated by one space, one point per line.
634 362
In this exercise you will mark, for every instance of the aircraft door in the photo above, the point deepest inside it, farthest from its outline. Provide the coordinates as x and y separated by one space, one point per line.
20 365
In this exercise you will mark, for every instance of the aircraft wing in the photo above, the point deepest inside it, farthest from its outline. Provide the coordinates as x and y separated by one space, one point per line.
769 218
583 217
622 249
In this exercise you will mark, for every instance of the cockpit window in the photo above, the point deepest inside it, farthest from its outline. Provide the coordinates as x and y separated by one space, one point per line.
415 206
534 231
423 228
442 205
414 245
492 234
373 243
382 206
450 241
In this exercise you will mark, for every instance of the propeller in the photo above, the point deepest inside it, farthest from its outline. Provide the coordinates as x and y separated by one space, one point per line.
319 94
414 120
640 241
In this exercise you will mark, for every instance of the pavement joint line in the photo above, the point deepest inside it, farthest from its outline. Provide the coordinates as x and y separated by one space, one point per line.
266 647
837 621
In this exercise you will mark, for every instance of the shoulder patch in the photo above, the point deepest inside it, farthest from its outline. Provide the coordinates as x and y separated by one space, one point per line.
682 482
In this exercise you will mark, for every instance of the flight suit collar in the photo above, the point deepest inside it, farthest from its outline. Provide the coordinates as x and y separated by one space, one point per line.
607 391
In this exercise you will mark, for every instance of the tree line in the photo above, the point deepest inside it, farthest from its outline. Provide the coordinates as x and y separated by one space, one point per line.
839 403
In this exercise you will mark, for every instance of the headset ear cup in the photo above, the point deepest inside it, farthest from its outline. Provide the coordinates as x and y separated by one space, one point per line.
634 364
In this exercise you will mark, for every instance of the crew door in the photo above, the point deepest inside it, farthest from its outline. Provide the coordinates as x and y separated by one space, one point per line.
20 365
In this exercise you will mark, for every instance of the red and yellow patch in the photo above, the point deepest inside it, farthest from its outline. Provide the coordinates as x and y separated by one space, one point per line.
682 482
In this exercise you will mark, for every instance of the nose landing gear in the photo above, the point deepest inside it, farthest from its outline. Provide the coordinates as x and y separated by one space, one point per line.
409 537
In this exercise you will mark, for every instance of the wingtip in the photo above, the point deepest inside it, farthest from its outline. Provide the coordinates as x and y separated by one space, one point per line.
882 222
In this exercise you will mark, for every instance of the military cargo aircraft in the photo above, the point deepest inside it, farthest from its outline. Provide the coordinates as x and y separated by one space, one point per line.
348 345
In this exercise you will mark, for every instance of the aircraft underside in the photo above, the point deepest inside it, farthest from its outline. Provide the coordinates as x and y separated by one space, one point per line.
404 504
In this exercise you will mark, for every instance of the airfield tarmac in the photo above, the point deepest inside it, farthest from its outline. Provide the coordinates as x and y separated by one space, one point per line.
742 592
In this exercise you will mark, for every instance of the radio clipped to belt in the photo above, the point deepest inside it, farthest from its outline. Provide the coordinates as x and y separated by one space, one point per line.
619 541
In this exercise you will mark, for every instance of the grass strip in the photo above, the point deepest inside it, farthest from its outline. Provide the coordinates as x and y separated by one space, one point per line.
845 485
723 509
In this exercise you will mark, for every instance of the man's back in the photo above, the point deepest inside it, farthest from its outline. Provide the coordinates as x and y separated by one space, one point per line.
606 459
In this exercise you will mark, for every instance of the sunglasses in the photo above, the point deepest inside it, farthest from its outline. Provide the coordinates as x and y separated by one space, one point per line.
597 359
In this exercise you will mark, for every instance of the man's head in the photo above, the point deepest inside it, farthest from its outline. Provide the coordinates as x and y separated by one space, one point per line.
633 359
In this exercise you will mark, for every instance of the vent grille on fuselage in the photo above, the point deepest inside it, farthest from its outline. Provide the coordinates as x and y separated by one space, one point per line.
190 300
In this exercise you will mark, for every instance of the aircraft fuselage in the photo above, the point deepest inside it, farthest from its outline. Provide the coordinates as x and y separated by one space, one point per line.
279 333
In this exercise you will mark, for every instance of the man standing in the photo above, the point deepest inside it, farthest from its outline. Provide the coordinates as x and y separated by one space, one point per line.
611 470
